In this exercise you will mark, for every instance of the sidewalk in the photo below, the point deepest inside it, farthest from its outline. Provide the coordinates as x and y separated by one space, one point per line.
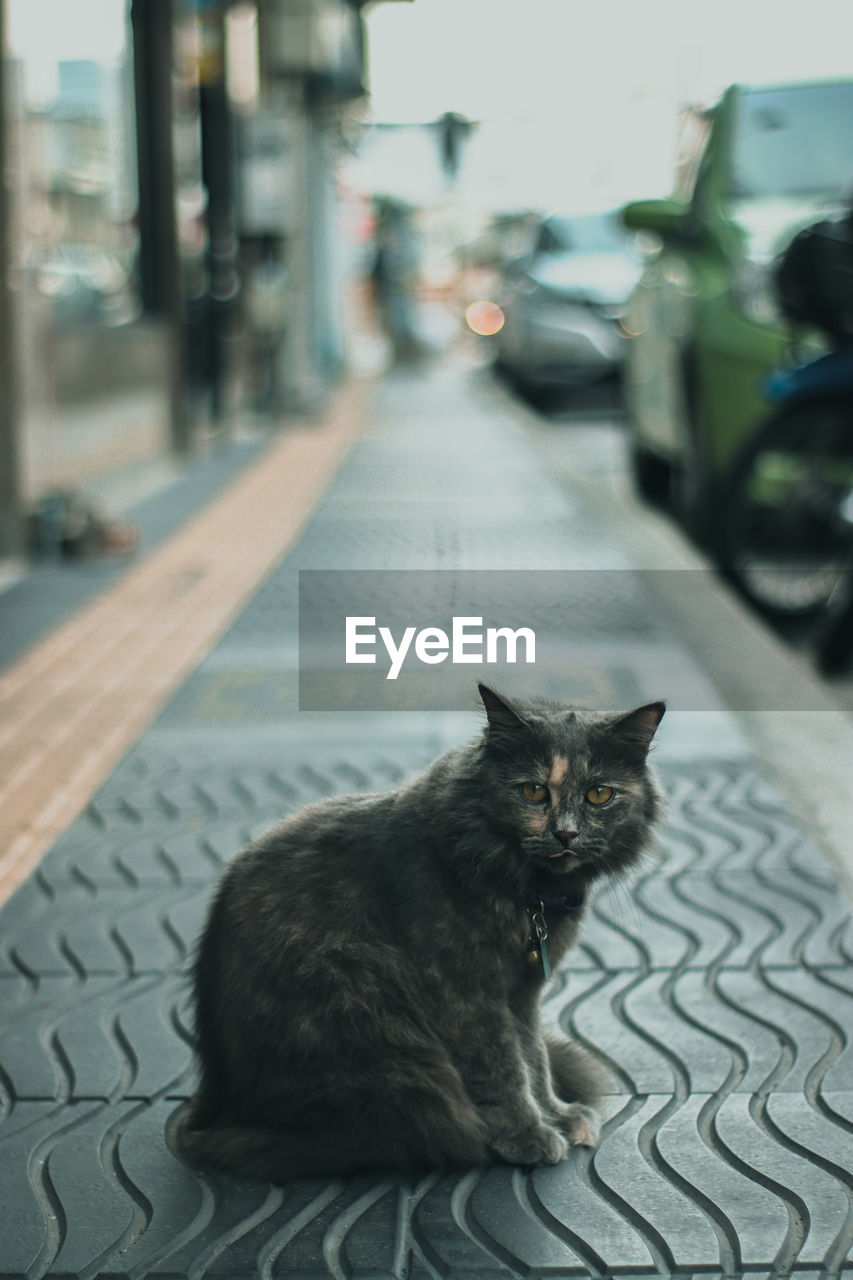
719 984
77 699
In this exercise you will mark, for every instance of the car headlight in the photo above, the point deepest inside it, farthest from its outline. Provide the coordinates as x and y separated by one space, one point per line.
753 292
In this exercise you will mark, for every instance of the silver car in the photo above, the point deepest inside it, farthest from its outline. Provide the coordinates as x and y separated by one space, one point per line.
564 301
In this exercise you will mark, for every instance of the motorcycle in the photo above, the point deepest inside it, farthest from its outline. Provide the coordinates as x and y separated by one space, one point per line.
786 540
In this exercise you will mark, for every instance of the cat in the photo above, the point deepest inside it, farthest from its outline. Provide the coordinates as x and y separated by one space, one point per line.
368 981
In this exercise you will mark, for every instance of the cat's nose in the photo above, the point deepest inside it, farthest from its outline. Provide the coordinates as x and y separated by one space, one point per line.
565 838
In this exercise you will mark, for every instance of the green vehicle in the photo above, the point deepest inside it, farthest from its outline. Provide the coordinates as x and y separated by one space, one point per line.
703 322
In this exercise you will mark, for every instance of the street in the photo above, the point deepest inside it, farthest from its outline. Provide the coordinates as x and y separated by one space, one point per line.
355 360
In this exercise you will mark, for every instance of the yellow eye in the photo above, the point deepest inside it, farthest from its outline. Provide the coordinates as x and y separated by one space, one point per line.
534 792
599 795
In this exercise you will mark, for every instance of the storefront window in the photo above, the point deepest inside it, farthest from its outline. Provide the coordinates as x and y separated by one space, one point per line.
72 106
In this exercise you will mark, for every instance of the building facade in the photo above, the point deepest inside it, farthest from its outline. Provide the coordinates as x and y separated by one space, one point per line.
167 227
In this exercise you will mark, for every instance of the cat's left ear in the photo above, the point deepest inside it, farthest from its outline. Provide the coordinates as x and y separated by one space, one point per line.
637 728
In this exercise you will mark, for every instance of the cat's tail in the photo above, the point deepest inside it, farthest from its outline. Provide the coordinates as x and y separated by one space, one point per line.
275 1155
279 1153
578 1076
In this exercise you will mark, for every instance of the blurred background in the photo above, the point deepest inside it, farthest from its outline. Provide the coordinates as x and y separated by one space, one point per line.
213 211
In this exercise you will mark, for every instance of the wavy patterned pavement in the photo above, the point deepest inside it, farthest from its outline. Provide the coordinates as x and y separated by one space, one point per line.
718 984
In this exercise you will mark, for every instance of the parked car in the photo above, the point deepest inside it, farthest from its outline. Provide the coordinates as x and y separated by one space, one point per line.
564 300
704 325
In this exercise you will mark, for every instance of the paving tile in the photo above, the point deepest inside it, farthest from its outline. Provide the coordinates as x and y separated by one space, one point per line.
103 930
642 1062
30 1231
504 1216
740 1213
805 1041
103 1038
575 1206
100 1218
815 1202
675 1227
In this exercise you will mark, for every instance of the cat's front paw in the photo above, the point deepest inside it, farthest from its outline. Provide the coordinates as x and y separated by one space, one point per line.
539 1145
580 1124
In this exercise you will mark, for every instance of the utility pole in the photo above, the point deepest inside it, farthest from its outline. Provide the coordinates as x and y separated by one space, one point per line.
160 265
217 171
11 512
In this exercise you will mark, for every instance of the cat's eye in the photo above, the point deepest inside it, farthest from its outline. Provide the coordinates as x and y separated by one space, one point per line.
534 792
599 795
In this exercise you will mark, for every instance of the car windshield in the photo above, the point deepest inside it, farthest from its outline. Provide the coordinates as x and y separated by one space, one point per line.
793 141
592 233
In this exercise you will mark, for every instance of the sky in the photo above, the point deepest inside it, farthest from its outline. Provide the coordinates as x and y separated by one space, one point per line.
51 30
46 32
578 99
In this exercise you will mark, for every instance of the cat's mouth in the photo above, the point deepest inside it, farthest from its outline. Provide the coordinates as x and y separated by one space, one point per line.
568 855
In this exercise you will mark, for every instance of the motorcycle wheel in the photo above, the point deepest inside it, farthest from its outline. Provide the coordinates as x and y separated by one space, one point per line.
781 541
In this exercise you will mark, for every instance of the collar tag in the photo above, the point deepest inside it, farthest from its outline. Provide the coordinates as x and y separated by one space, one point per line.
537 947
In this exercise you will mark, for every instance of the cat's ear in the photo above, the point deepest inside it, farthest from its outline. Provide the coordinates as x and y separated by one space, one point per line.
637 728
499 711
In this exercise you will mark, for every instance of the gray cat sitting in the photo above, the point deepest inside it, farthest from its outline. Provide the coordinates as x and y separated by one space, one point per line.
368 982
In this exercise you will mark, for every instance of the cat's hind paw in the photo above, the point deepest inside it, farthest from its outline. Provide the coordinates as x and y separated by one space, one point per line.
580 1124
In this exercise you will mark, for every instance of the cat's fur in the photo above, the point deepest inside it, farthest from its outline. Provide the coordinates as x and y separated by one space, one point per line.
365 997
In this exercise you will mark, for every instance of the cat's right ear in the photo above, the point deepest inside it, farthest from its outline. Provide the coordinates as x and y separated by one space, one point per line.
499 711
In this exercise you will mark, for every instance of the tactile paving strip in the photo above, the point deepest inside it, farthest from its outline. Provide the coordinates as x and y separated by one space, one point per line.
718 984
